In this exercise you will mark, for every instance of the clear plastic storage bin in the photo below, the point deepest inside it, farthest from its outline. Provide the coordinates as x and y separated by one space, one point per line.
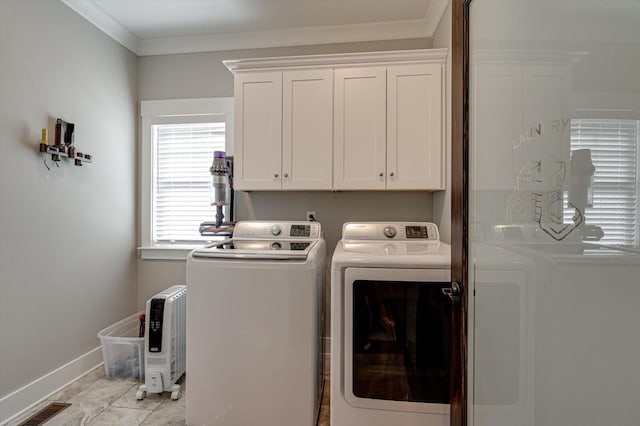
123 350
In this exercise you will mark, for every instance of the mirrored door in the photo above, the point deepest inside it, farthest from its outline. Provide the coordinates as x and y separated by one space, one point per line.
553 212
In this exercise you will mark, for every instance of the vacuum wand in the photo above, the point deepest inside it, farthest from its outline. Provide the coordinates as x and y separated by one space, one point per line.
581 191
220 184
221 195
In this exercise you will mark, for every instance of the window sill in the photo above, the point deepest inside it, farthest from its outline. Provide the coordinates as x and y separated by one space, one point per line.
174 251
169 252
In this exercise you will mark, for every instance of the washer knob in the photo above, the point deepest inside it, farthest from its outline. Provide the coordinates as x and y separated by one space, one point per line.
276 246
276 229
389 231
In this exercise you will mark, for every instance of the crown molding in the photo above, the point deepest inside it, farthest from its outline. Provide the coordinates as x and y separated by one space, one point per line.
395 30
339 59
98 17
284 37
437 9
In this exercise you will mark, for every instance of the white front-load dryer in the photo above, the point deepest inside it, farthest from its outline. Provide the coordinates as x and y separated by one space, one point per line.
390 326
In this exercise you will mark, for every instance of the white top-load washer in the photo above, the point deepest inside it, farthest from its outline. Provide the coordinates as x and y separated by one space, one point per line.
390 325
255 326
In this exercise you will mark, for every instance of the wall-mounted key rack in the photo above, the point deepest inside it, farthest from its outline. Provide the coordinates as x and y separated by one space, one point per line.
64 145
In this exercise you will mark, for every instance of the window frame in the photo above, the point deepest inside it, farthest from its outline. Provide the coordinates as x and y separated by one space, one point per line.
159 112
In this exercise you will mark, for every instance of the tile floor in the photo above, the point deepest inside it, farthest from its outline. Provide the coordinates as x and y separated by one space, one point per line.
99 401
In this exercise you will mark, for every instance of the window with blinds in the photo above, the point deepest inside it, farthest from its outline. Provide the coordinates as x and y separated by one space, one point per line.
614 153
181 182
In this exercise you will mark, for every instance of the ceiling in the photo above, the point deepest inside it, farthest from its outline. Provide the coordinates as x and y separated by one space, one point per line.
154 27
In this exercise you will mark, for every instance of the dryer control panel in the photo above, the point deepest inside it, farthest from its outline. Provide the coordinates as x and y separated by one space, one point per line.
396 231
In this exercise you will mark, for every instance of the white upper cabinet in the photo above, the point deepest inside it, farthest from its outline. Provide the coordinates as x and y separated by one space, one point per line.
415 128
389 127
307 106
360 128
283 130
258 131
520 116
363 121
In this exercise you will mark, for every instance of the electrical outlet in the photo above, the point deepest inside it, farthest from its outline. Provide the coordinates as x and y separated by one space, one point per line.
311 216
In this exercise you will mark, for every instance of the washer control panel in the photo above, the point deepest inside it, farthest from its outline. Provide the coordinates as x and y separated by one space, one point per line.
397 231
283 230
276 229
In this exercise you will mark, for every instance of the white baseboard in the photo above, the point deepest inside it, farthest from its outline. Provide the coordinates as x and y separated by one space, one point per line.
21 400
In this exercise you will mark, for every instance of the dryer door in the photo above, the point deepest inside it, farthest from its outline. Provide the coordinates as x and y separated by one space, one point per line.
397 338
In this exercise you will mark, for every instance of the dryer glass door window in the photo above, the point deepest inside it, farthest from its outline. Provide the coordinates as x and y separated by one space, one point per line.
401 341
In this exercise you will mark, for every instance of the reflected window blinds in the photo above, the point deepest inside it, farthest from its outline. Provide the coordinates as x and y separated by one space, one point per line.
614 153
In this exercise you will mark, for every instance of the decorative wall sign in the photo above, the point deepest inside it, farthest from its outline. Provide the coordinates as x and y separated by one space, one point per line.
538 197
558 126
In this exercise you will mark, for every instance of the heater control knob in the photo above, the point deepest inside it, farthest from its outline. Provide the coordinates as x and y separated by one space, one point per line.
276 229
389 231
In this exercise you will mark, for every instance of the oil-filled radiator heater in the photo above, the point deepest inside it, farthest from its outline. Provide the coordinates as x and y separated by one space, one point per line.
164 342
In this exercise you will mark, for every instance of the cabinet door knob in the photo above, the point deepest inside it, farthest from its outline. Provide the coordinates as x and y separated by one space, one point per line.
391 174
275 175
286 175
381 174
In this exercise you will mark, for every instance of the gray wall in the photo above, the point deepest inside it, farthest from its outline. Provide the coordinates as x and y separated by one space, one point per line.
67 236
442 199
201 75
204 75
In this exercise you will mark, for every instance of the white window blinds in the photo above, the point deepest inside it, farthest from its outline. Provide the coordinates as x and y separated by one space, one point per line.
614 152
181 194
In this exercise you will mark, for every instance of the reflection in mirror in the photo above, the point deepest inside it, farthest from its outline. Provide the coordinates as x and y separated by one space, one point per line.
554 212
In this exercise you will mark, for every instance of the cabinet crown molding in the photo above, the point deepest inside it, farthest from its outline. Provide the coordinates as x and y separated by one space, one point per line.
338 60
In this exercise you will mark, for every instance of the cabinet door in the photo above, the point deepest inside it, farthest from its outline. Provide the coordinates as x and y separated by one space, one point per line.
360 128
307 102
258 131
496 126
546 94
415 129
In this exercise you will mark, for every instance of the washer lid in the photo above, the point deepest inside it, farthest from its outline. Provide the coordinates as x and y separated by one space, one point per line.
257 249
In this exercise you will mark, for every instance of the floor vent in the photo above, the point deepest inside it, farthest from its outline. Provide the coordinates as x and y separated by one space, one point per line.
45 414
